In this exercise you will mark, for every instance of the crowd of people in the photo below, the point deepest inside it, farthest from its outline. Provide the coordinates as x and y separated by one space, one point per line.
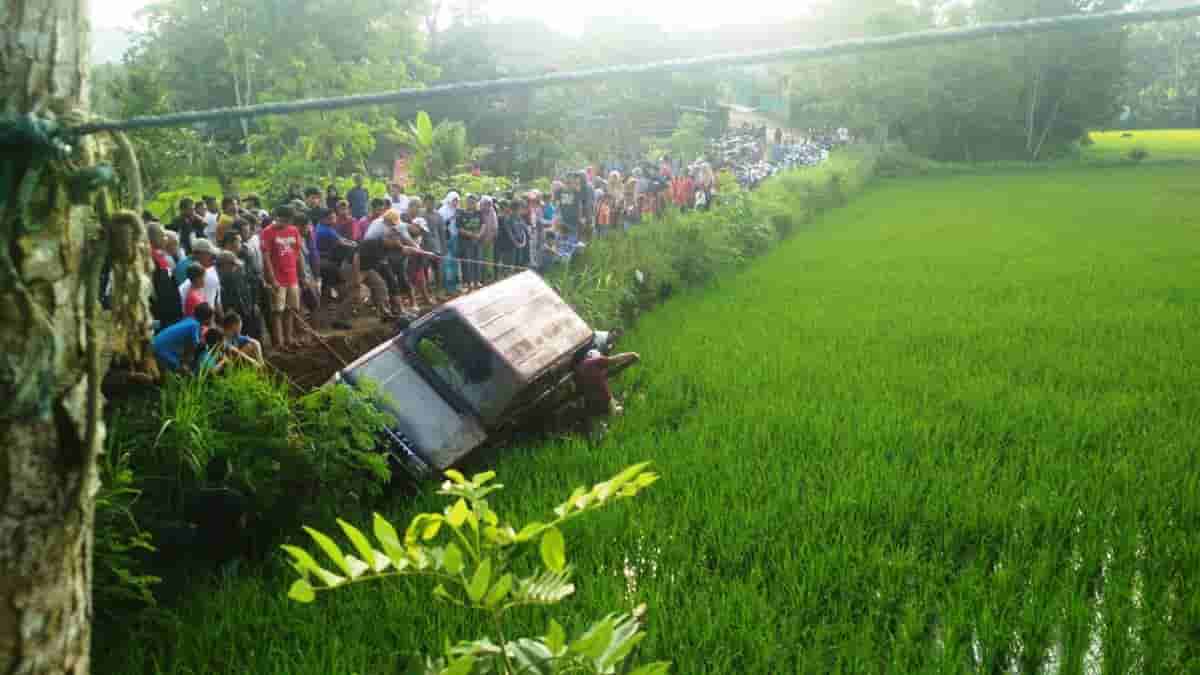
753 154
229 275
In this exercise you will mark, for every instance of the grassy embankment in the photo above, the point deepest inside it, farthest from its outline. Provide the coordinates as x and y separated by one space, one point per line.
955 420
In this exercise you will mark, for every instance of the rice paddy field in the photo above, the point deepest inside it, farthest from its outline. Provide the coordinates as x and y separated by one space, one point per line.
1161 144
951 427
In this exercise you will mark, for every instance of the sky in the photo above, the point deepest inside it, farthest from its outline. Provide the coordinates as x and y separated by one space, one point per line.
567 17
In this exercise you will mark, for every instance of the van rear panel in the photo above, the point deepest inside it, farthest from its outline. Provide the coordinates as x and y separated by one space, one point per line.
526 323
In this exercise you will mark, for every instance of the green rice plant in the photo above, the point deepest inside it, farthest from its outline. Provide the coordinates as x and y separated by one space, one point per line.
1162 145
475 560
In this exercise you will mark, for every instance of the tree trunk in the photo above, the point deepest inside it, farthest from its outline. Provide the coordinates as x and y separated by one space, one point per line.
1031 112
50 429
1037 151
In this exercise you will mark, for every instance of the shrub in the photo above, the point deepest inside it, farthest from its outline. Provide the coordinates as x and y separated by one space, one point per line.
475 560
282 451
119 576
754 239
465 183
784 224
897 160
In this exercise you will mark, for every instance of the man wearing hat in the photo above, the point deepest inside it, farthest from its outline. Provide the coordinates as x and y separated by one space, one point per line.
205 255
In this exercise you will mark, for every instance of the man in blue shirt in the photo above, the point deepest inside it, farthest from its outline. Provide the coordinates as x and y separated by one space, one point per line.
176 346
358 198
337 257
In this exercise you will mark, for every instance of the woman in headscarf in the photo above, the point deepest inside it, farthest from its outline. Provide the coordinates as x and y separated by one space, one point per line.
488 229
450 265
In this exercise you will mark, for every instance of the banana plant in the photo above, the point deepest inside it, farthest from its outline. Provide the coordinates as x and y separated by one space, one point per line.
436 150
468 553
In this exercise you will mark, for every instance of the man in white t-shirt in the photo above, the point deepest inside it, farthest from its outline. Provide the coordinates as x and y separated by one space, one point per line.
205 254
210 217
398 198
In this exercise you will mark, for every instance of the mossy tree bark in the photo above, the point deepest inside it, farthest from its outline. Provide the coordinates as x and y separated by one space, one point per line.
50 429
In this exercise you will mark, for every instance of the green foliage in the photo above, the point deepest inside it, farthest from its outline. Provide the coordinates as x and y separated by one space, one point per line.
437 151
475 560
465 183
1029 97
690 138
1162 86
118 574
287 453
1138 153
200 55
139 87
341 426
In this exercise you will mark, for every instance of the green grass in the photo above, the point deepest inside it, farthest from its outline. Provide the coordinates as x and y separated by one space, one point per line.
1162 144
165 203
956 419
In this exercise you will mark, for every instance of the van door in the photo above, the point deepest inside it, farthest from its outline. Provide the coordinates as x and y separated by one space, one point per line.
436 432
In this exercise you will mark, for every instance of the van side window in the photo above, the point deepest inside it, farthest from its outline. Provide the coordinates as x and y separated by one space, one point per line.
458 357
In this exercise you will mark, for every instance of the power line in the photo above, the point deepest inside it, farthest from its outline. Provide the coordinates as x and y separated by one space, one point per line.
797 53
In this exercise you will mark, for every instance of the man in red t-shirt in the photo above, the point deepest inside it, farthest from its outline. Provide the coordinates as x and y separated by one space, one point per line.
281 259
591 378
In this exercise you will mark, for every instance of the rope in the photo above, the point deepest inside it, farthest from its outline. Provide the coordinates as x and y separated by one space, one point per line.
479 262
796 53
305 325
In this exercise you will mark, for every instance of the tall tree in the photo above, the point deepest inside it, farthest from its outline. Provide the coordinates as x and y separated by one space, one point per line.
51 429
1016 97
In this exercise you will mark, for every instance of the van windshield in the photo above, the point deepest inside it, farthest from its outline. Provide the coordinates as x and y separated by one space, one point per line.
462 361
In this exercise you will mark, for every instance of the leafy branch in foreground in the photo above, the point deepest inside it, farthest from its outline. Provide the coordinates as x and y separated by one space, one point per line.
469 552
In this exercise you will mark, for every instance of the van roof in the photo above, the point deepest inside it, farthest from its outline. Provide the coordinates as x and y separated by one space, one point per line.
528 325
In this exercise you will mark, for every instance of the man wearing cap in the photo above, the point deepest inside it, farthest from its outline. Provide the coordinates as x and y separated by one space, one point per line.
392 235
372 263
237 292
205 254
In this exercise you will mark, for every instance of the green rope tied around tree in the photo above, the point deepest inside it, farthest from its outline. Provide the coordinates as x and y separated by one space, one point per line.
34 146
29 143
